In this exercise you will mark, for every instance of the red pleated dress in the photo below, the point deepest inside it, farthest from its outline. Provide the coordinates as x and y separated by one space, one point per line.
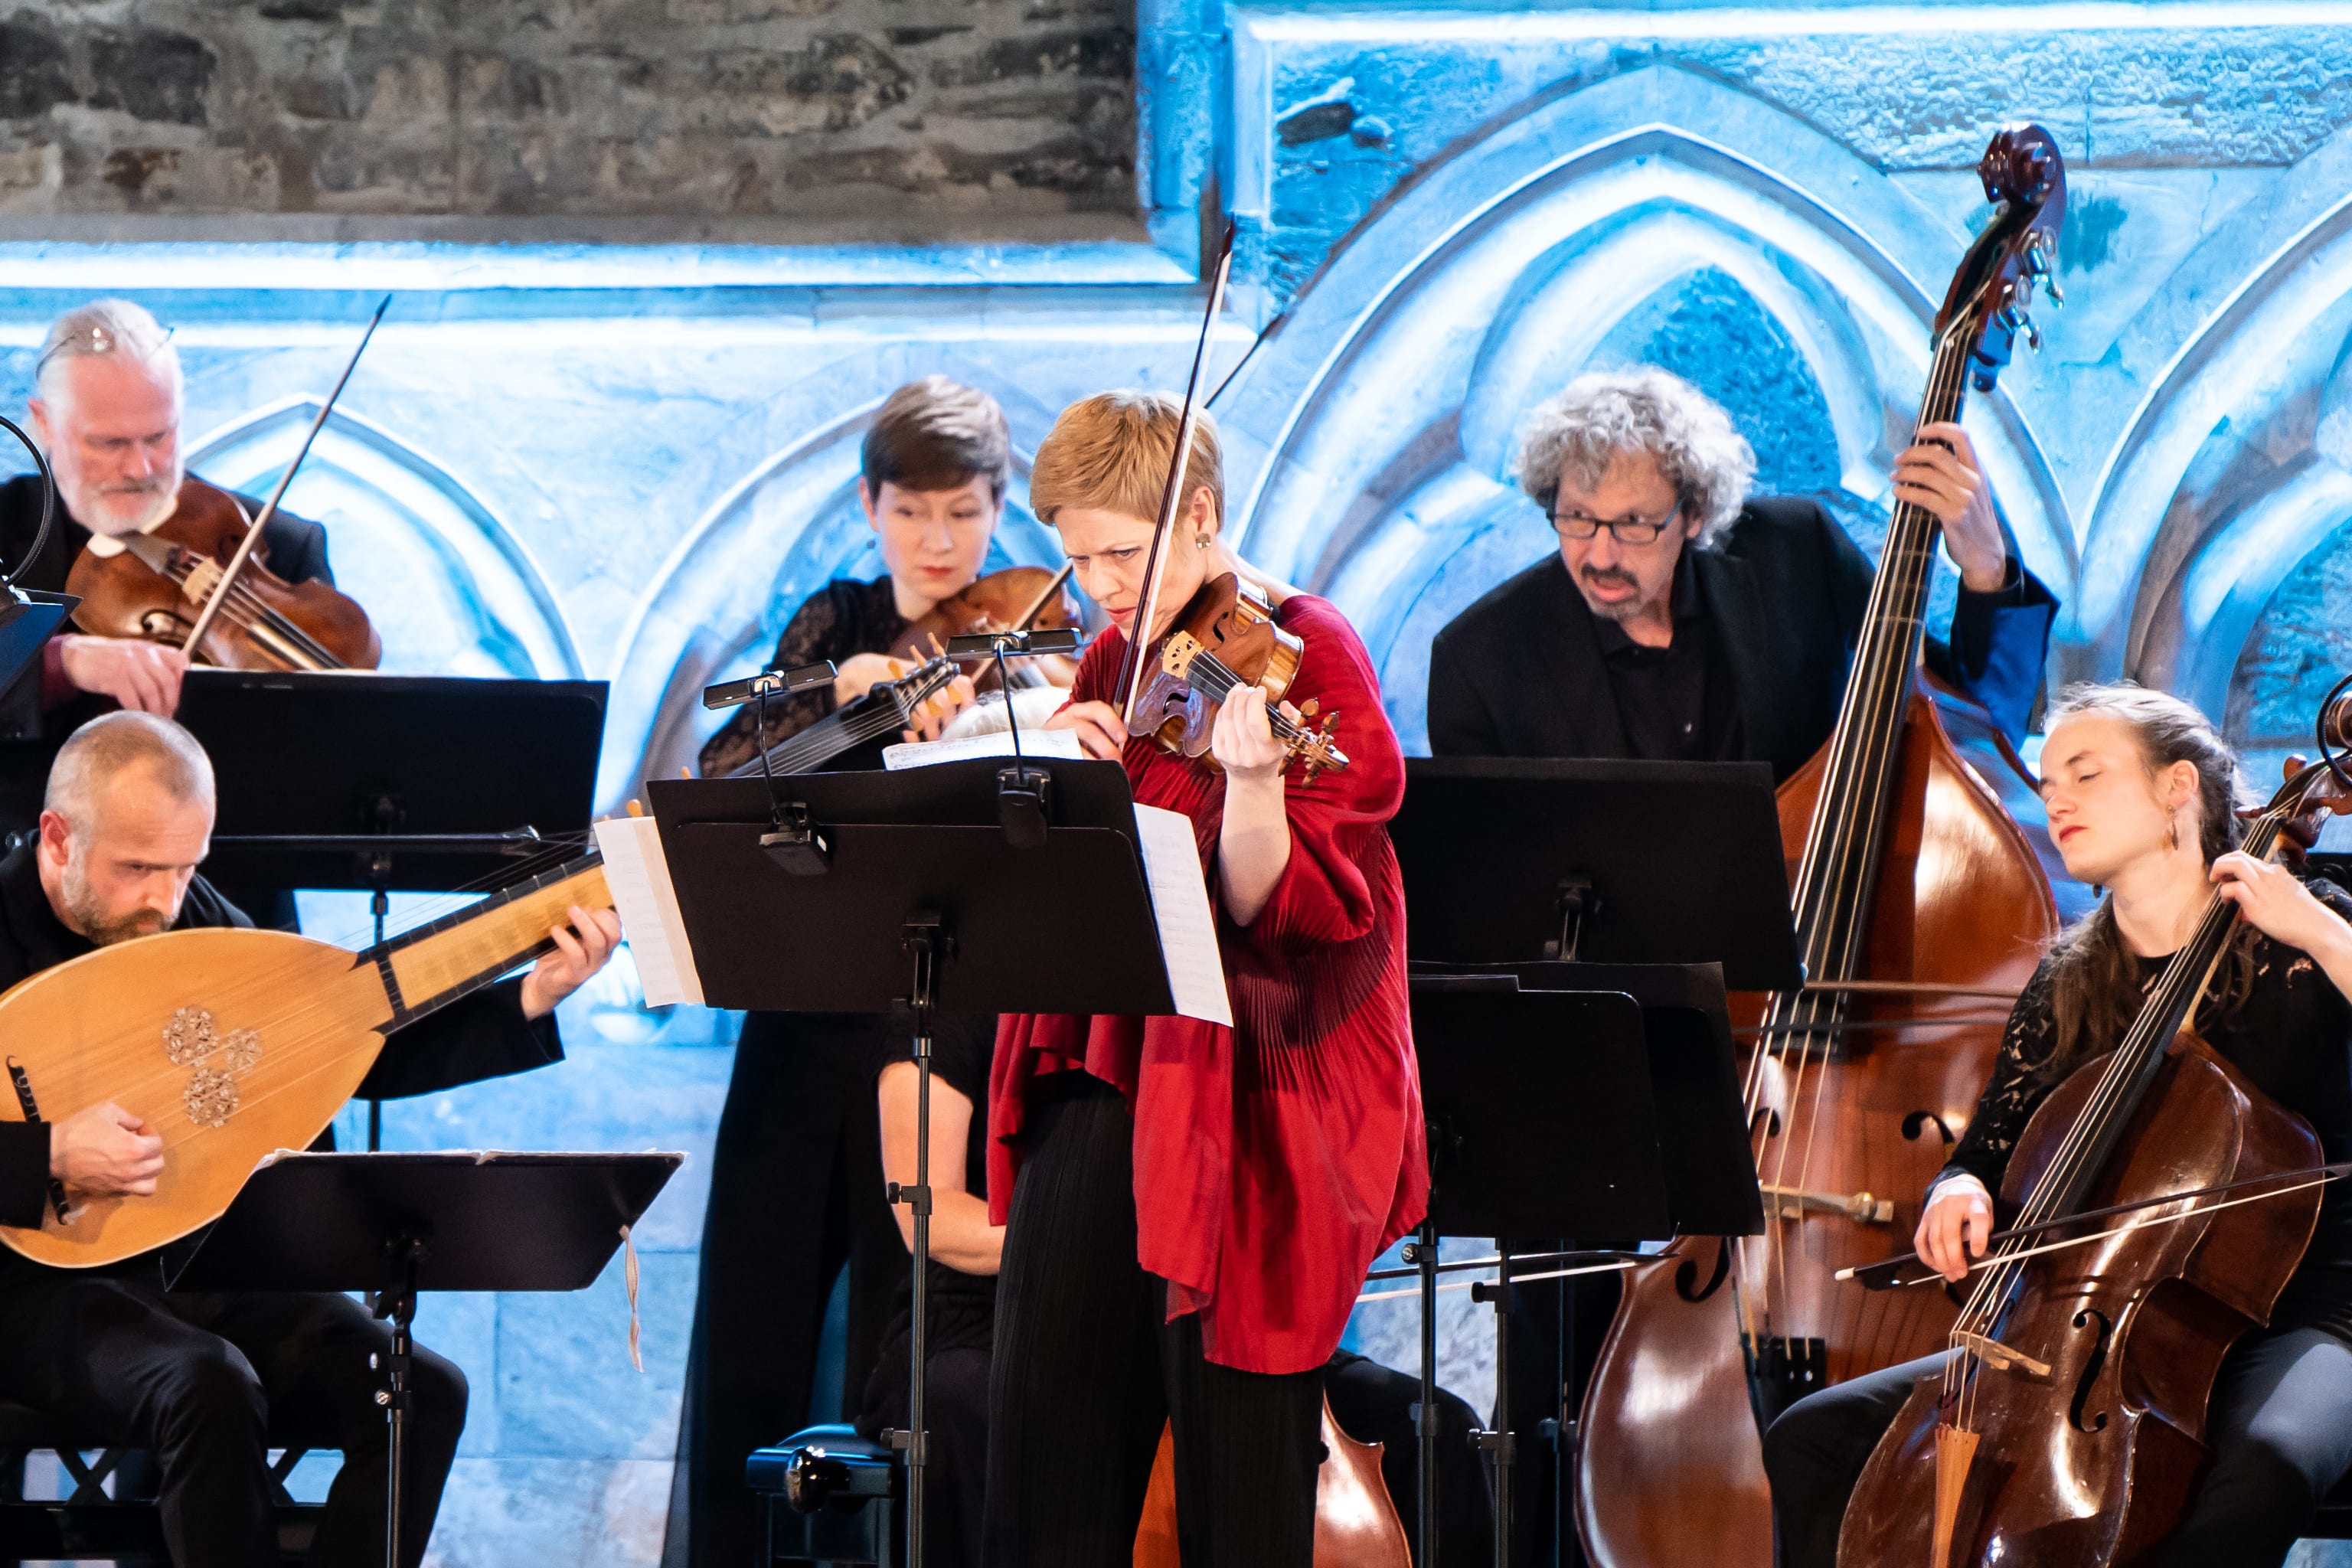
1275 1160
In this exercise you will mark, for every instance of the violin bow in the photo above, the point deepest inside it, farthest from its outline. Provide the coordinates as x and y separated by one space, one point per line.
254 525
1131 662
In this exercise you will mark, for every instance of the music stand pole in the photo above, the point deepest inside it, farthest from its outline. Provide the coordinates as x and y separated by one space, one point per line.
1424 1257
926 938
399 1304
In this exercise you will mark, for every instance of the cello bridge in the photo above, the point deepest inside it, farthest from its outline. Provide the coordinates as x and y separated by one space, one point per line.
2001 1358
1795 1203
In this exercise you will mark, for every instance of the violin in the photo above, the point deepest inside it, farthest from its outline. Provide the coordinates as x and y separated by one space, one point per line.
156 586
1227 637
2070 1426
1016 599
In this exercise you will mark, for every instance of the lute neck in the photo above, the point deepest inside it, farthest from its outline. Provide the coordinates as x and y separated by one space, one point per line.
425 969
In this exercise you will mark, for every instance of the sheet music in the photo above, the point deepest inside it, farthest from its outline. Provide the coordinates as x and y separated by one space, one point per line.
995 743
1179 904
639 879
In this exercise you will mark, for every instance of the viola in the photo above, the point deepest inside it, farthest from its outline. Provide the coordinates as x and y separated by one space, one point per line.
1915 895
1227 637
2068 1427
156 586
887 708
1016 599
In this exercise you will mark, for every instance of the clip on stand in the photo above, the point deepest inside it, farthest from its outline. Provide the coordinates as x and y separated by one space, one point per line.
386 783
397 1223
916 888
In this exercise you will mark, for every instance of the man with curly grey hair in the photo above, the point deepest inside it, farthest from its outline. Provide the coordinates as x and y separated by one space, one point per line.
1680 619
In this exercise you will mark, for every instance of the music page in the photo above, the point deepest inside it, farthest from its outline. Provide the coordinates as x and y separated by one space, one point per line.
639 880
1180 904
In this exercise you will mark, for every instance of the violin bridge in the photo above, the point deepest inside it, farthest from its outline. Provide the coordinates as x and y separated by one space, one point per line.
2001 1358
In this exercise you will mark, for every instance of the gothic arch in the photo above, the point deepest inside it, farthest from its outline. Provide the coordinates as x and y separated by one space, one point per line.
1377 422
450 589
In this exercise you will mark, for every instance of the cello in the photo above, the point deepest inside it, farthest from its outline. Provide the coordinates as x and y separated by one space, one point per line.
1918 902
2067 1426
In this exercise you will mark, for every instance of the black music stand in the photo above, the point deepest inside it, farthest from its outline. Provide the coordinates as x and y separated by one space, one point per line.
1556 1112
919 888
394 1224
1510 859
384 783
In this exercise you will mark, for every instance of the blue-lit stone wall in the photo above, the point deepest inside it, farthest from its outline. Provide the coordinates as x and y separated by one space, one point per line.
630 462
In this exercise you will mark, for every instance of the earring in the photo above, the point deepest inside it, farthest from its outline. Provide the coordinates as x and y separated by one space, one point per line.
1200 542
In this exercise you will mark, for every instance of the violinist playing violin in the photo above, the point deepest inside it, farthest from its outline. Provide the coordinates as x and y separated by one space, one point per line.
796 1178
1190 1209
2141 792
106 409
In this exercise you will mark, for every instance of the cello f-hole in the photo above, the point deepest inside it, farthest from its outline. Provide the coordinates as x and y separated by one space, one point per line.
2091 1365
1916 1123
1687 1272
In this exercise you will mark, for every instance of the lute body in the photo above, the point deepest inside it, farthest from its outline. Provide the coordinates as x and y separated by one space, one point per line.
234 1043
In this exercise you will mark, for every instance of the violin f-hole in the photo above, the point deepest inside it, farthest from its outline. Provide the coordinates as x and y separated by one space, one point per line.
2091 1366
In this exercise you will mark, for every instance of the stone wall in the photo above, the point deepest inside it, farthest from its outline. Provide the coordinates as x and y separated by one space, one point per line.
659 120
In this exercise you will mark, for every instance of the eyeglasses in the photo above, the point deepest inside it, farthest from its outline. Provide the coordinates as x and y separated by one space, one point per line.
1628 530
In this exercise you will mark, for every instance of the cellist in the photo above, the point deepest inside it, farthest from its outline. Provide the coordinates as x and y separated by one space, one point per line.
2141 790
1190 1209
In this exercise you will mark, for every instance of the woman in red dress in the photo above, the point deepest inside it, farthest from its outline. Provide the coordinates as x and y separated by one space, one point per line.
1192 1208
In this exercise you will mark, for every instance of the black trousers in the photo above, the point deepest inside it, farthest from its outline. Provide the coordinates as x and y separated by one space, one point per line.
2280 1432
795 1192
203 1380
1088 1370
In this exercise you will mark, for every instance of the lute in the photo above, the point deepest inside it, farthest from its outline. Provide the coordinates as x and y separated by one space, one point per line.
235 1043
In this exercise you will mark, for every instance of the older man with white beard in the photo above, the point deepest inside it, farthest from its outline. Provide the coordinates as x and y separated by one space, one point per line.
106 410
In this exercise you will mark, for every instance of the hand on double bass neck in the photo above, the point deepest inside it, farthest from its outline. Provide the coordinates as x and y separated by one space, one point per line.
140 674
580 952
1940 472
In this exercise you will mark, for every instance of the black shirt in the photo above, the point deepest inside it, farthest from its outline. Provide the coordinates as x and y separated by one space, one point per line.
1676 702
839 621
2292 1036
485 1036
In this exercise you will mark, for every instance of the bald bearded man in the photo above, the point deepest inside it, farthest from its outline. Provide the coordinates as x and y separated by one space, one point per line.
203 1378
106 409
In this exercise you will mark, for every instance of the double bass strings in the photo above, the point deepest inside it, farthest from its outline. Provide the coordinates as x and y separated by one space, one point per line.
1839 844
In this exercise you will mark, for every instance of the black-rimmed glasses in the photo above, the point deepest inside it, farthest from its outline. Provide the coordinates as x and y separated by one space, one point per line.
1628 530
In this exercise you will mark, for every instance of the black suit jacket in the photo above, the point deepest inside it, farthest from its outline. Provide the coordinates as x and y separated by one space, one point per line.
1520 673
29 738
485 1036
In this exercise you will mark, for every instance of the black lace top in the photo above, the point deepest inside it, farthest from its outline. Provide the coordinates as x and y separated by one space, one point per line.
841 619
2292 1036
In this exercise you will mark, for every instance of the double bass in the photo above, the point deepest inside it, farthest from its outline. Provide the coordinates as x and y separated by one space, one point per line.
1920 907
